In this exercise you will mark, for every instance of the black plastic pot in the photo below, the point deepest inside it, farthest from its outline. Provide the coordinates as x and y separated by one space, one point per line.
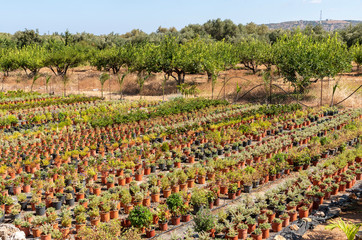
61 198
57 205
247 189
153 169
69 202
220 152
13 217
24 205
40 211
161 166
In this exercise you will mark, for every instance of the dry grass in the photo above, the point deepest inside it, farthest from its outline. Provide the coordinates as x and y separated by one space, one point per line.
85 80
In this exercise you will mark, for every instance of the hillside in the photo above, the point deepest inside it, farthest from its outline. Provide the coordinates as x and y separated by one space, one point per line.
328 24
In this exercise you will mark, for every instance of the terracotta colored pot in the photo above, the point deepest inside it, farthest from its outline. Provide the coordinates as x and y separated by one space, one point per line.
163 226
277 227
243 233
265 233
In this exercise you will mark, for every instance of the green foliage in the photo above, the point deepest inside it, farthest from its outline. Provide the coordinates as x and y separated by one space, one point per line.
348 228
204 221
140 217
174 201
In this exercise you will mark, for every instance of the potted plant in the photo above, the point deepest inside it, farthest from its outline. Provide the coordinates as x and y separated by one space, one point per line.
174 203
40 209
293 214
204 221
81 220
257 234
46 231
155 194
233 187
22 200
265 227
140 217
285 217
251 224
185 213
242 230
94 216
163 217
277 224
106 208
303 212
232 234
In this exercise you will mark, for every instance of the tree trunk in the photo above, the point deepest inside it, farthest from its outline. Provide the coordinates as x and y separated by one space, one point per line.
321 92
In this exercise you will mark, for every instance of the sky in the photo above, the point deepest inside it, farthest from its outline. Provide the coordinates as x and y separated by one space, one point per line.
106 16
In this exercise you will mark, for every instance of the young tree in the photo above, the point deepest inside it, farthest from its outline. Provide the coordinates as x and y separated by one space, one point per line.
143 63
31 59
33 82
302 60
59 58
47 80
356 51
103 78
176 59
8 61
253 53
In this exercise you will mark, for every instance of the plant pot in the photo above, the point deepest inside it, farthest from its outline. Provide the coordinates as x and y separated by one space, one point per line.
105 216
176 220
293 216
242 233
201 179
163 226
40 211
265 233
36 232
57 205
285 222
271 217
127 209
277 227
303 214
69 202
247 189
217 202
155 198
166 193
257 237
95 221
185 218
232 195
24 205
233 237
150 233
251 228
113 214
